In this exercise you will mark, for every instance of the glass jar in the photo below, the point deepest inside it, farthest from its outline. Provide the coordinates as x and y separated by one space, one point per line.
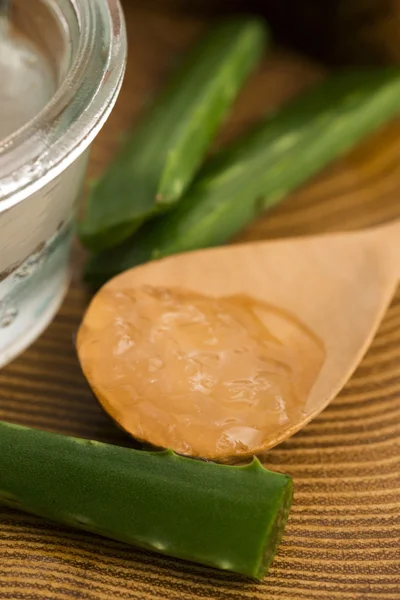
43 163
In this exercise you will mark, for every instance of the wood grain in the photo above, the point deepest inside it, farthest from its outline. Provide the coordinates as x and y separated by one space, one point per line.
343 536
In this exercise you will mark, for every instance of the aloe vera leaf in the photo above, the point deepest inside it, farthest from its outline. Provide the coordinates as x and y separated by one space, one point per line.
262 168
222 516
160 157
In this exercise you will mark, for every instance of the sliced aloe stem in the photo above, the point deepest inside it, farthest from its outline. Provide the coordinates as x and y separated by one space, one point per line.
160 157
228 517
263 167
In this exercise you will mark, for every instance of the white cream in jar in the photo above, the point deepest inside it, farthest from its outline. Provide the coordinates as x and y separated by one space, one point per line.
27 81
61 68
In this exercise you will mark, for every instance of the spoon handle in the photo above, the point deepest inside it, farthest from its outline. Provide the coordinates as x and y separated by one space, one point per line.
389 238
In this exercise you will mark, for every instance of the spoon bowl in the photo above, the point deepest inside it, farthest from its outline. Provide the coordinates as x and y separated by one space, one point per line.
338 285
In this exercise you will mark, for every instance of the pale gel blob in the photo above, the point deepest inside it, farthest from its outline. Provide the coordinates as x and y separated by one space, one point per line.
208 377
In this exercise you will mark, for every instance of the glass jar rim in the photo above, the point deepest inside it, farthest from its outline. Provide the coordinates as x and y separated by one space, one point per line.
46 145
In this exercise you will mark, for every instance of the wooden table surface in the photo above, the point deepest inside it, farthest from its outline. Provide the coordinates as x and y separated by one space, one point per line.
343 536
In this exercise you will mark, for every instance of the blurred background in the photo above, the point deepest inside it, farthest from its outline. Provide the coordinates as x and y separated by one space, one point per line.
335 31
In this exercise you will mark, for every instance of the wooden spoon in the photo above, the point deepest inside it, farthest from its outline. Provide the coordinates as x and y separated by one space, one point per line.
338 285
